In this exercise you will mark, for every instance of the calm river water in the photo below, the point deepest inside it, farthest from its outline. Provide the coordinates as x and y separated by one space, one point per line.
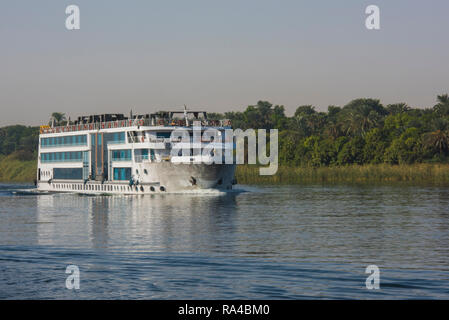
270 242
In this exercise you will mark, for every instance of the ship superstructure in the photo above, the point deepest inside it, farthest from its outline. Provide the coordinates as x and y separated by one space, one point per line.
114 154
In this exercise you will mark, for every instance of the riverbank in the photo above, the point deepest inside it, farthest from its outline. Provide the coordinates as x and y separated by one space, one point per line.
382 173
13 170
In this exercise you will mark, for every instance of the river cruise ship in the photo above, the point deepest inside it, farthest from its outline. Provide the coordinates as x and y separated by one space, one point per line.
114 154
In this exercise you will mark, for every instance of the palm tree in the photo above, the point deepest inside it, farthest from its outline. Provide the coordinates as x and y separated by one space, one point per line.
360 120
398 108
442 107
438 140
57 118
333 129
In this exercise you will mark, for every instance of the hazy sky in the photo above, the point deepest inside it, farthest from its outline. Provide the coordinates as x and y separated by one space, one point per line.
217 55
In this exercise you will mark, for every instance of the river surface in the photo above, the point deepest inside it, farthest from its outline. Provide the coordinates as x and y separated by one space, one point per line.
264 242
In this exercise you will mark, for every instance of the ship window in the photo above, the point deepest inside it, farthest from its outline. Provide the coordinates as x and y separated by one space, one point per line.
62 157
122 174
165 134
121 155
64 141
117 137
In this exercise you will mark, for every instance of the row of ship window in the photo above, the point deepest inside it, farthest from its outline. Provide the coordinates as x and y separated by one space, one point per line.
119 174
79 140
77 156
99 187
117 155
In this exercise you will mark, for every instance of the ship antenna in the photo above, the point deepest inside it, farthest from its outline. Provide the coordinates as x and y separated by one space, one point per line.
185 115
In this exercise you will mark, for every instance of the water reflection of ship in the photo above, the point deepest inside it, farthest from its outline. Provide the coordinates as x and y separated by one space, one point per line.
184 222
99 220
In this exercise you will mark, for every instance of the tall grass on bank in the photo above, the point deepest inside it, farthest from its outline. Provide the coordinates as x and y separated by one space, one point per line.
14 170
383 173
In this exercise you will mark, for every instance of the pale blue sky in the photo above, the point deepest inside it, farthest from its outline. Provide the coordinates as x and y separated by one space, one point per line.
217 55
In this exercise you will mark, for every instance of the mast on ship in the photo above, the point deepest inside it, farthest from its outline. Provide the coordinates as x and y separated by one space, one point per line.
185 115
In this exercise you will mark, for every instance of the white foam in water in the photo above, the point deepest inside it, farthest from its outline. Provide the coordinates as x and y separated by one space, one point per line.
213 192
208 191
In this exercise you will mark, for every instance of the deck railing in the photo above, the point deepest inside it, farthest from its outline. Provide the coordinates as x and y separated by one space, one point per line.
132 123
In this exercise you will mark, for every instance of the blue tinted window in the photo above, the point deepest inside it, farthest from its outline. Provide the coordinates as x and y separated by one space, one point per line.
121 155
163 134
62 156
122 174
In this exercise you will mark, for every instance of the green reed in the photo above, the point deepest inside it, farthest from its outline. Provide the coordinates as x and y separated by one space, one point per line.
425 173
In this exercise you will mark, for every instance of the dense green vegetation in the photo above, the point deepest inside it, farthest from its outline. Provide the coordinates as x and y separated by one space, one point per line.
361 132
18 153
361 141
19 142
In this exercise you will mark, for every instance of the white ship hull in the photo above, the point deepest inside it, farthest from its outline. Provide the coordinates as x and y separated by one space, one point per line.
160 178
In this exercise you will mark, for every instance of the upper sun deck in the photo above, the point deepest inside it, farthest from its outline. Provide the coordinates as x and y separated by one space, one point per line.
160 120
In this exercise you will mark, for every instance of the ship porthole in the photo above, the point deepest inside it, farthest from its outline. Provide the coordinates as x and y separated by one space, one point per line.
141 189
162 188
152 189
